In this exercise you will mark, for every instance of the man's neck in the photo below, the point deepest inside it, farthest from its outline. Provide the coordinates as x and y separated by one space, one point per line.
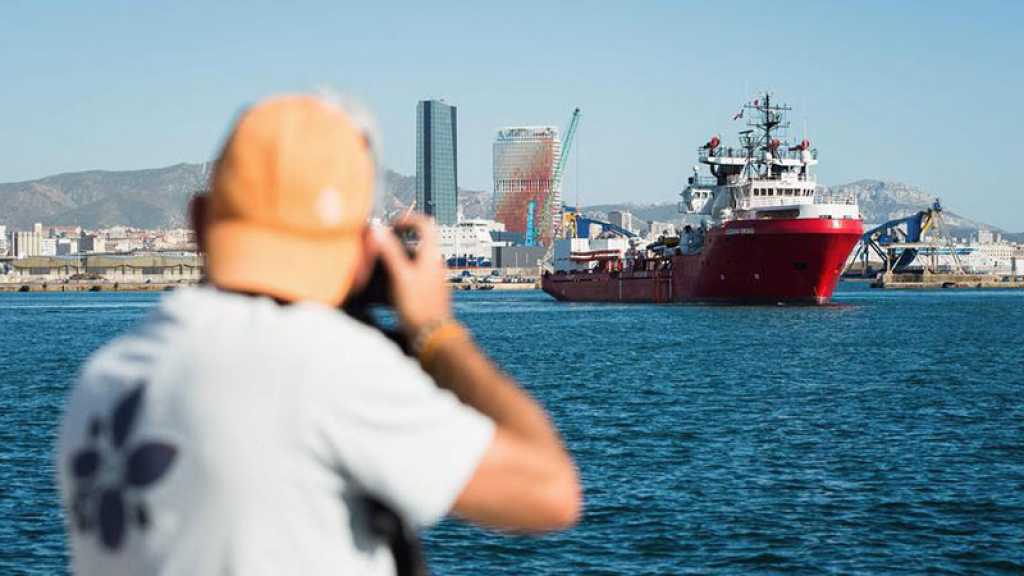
255 294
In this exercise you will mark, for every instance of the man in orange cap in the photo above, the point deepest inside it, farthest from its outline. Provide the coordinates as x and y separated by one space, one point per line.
247 426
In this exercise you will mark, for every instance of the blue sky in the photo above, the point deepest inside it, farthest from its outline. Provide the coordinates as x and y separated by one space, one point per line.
926 93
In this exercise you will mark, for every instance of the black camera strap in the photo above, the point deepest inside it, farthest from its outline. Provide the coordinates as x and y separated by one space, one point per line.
404 544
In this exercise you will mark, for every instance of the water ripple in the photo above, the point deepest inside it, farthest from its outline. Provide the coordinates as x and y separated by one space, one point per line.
881 435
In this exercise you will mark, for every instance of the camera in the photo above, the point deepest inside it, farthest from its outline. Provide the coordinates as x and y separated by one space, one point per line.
377 292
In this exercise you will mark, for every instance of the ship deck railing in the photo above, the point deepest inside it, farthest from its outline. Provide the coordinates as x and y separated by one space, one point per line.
783 177
703 181
781 153
741 181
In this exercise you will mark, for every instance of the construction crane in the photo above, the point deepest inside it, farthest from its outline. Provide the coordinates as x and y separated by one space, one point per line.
545 228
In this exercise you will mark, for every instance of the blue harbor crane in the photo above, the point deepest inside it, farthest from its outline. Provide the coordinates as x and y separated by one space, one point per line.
898 242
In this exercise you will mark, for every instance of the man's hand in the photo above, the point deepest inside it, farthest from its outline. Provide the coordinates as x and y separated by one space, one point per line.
418 286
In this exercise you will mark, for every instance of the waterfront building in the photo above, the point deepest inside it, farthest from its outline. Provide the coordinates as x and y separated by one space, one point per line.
622 219
141 268
524 163
48 247
174 239
65 231
3 240
67 246
471 239
27 243
437 161
520 257
92 243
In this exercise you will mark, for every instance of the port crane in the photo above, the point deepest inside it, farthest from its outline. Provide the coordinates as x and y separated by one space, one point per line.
546 230
898 242
578 226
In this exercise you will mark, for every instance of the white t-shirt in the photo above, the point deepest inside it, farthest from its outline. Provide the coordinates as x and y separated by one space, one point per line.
229 435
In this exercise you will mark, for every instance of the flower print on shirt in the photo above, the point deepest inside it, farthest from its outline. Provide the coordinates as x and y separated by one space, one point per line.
112 471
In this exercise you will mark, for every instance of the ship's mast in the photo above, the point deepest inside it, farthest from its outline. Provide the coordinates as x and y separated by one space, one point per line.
764 118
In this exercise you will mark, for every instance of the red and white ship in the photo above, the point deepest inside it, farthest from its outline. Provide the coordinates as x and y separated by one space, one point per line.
760 232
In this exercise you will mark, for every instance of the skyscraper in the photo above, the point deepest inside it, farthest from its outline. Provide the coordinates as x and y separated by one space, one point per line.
524 165
436 161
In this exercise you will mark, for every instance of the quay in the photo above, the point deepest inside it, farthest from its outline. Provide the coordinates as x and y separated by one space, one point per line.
94 286
157 272
929 280
87 286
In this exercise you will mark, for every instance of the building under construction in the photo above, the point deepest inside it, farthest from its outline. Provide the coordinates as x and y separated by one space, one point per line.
528 166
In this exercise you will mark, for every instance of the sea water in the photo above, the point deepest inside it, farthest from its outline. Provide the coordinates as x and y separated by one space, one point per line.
882 434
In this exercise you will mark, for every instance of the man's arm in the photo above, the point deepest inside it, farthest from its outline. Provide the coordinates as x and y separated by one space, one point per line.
526 480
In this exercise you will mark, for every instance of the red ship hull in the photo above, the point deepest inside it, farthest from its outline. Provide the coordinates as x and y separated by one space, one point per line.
795 261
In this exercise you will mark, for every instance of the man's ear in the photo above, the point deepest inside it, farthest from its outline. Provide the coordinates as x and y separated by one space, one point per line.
197 208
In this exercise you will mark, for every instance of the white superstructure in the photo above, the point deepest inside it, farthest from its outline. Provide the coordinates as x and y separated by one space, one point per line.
763 178
469 238
585 253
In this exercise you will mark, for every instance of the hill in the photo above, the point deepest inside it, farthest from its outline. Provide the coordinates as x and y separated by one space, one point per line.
883 201
99 198
157 198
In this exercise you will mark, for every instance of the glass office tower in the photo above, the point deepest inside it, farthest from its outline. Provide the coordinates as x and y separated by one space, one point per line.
436 162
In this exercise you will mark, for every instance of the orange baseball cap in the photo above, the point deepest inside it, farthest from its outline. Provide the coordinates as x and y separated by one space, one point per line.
290 196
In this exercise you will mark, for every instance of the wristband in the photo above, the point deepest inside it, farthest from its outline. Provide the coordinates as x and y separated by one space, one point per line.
431 337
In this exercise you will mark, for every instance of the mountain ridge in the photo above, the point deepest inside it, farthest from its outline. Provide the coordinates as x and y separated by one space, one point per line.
158 198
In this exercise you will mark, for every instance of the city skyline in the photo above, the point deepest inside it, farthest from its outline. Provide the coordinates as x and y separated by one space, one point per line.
914 92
